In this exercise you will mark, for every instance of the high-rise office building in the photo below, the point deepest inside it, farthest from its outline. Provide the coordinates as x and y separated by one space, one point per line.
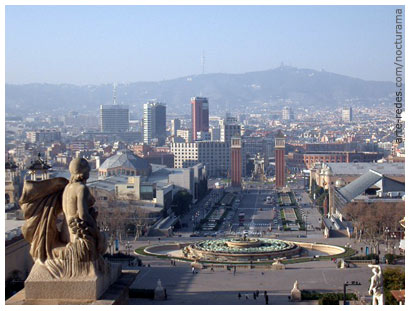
185 134
347 114
236 162
175 125
215 133
229 128
279 159
154 122
214 155
288 114
199 115
114 118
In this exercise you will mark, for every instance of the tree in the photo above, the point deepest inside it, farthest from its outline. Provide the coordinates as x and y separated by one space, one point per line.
181 202
394 279
329 299
371 220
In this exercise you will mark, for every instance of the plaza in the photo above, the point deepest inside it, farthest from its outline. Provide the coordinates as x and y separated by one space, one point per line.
222 284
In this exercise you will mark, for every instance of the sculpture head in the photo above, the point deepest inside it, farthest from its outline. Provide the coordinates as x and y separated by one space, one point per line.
79 170
296 284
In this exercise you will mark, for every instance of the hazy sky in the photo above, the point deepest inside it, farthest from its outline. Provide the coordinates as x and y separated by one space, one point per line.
104 44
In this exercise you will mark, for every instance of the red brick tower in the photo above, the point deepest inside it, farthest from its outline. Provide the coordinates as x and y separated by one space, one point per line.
279 159
236 162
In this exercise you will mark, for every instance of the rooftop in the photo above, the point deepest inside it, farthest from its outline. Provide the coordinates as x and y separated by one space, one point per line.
361 168
125 159
366 181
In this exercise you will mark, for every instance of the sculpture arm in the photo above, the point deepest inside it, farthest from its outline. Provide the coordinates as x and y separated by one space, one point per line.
82 206
84 199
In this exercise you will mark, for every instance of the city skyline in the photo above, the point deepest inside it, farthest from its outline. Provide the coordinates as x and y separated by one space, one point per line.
100 44
192 154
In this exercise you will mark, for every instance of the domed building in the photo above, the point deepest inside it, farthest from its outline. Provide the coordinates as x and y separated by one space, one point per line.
124 162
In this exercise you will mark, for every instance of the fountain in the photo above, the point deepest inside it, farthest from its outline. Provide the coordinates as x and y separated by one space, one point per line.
243 249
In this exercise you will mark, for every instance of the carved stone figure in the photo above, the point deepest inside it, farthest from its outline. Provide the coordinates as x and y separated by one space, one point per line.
74 246
376 286
258 173
159 292
295 292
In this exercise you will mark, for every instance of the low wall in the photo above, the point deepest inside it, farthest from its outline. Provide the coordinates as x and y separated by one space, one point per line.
153 250
324 248
361 262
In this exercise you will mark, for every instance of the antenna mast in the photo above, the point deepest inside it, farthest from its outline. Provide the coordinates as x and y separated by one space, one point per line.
115 93
203 61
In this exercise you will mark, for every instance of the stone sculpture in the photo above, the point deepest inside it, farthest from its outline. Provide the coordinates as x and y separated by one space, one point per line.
76 249
277 264
65 241
295 292
159 292
376 286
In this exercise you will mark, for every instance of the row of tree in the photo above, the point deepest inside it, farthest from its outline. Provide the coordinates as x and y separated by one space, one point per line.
373 222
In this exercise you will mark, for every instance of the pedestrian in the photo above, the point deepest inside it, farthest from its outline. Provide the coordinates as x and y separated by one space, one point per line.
165 294
193 270
266 297
171 262
212 269
254 296
239 295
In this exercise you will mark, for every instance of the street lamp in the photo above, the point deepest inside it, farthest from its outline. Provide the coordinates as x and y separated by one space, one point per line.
386 232
346 284
305 225
128 247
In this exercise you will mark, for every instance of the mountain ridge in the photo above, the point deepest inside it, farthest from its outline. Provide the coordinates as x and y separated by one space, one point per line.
227 91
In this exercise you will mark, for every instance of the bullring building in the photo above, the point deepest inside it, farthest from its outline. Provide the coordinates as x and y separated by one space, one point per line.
125 162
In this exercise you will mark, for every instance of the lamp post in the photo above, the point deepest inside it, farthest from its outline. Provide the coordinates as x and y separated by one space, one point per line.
110 244
386 232
305 225
128 247
346 284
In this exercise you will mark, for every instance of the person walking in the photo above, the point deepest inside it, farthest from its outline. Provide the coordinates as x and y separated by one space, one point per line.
193 270
239 295
266 297
254 296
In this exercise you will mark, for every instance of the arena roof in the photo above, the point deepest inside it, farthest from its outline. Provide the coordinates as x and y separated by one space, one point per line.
125 159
